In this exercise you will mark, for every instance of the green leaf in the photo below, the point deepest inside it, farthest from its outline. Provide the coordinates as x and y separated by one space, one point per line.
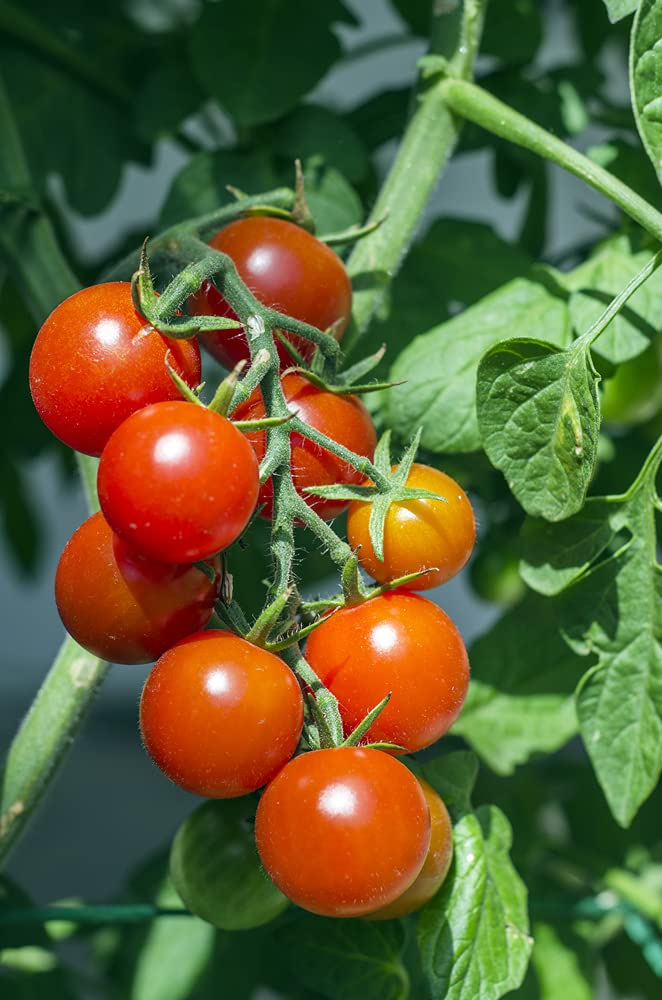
645 70
453 776
240 52
440 367
596 282
352 959
513 30
473 935
557 966
168 95
176 952
312 130
555 556
617 9
539 418
334 203
215 867
519 704
381 117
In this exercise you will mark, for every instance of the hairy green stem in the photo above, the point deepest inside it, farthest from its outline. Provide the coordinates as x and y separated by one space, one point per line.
426 146
477 105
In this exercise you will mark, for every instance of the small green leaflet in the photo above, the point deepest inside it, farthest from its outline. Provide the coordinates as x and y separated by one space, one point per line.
538 415
519 704
645 78
439 368
556 961
618 9
612 608
474 934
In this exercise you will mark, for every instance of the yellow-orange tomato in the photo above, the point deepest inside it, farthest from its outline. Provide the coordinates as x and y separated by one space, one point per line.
418 534
436 864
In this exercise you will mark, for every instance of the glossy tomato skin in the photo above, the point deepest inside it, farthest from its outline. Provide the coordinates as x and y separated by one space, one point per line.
178 481
344 831
122 606
435 867
345 419
285 268
219 716
397 643
418 534
96 361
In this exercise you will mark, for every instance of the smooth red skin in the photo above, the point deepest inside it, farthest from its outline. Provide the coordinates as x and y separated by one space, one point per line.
96 361
343 832
435 867
343 418
122 606
398 643
184 502
219 716
419 533
287 269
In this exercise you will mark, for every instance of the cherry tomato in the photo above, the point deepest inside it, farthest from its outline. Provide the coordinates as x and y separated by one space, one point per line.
418 534
287 269
215 867
343 418
96 361
122 606
398 643
343 832
178 481
220 716
436 864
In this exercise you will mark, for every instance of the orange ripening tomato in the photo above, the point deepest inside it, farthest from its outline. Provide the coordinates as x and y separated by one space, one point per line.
418 533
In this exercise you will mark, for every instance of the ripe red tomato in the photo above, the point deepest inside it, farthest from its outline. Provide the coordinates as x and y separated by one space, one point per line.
96 361
220 716
399 643
343 418
343 832
178 481
287 269
122 606
436 864
419 533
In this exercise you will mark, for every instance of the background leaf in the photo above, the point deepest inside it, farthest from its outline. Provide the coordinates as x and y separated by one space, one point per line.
645 72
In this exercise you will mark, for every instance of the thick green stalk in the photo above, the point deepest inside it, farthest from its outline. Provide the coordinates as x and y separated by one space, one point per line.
30 250
426 146
476 105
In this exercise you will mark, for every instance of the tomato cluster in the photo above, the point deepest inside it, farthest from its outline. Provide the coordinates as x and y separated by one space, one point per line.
342 830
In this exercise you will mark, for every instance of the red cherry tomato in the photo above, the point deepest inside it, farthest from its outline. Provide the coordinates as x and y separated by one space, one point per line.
398 643
342 418
122 606
96 361
419 533
287 269
220 716
343 832
436 864
178 481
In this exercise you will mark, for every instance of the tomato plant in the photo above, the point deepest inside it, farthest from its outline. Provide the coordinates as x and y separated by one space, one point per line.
344 419
398 644
356 811
96 361
178 481
123 606
418 534
220 716
285 268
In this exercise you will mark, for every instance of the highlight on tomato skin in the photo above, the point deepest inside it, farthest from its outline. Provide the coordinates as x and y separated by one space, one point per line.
343 832
344 419
178 481
400 644
122 606
418 534
285 268
435 867
220 716
95 361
